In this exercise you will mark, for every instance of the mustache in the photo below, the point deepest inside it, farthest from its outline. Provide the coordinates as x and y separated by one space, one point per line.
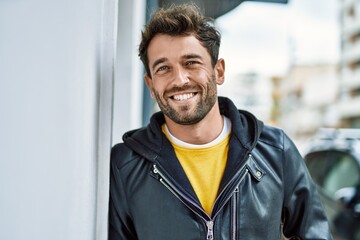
183 88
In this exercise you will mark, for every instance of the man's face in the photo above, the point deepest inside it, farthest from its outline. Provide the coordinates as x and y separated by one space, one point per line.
183 79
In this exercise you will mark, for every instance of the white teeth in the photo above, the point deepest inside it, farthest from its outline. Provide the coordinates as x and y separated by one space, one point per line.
183 97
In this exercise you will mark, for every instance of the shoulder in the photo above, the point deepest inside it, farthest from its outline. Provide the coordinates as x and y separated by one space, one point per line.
273 136
121 155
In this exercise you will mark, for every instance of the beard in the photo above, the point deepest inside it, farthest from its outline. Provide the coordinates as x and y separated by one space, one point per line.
184 115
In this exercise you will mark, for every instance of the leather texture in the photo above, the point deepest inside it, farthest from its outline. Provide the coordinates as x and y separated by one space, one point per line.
265 190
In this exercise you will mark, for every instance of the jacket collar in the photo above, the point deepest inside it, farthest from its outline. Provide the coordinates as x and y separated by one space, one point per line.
150 141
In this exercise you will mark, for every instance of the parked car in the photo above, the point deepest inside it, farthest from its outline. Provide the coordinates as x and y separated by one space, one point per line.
333 159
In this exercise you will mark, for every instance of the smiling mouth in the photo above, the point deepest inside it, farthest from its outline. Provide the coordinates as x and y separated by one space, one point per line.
183 97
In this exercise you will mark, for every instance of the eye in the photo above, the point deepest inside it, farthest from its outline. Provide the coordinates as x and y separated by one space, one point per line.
190 63
162 68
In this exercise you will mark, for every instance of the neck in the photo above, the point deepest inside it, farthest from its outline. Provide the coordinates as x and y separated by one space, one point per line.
202 132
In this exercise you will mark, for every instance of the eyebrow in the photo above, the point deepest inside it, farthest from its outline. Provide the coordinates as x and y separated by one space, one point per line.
164 59
193 55
157 62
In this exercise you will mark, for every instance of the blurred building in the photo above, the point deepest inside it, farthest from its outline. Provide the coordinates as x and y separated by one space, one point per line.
251 92
349 98
276 94
307 97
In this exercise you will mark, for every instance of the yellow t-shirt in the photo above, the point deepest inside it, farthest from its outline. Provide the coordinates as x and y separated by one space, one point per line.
204 167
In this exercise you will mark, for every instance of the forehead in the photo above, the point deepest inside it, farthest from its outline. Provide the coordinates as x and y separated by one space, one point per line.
174 47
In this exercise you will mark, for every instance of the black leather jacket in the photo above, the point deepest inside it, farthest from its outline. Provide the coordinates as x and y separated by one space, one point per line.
265 188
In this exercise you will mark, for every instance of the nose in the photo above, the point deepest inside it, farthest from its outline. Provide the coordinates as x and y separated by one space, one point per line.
180 77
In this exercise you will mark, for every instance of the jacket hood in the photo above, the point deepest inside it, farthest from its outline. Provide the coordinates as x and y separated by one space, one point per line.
150 142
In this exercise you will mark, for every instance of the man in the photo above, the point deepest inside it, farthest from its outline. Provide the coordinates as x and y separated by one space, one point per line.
203 169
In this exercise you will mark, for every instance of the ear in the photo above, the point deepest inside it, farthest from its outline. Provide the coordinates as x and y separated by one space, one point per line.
148 83
220 71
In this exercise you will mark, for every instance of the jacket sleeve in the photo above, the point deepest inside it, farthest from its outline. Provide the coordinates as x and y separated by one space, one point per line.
303 215
120 223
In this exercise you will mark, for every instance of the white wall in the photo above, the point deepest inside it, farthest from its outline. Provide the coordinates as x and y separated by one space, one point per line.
57 94
129 83
50 99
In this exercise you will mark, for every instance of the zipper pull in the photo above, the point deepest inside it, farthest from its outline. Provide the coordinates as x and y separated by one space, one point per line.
155 170
210 232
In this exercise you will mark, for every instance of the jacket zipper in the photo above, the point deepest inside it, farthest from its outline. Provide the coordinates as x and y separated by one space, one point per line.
177 193
209 223
242 177
233 214
210 228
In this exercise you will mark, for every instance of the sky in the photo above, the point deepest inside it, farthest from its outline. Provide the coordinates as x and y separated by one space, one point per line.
267 37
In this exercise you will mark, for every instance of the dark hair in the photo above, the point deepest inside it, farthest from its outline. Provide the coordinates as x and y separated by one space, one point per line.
181 20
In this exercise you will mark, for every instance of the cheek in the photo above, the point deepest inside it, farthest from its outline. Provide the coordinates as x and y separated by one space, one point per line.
157 88
204 73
